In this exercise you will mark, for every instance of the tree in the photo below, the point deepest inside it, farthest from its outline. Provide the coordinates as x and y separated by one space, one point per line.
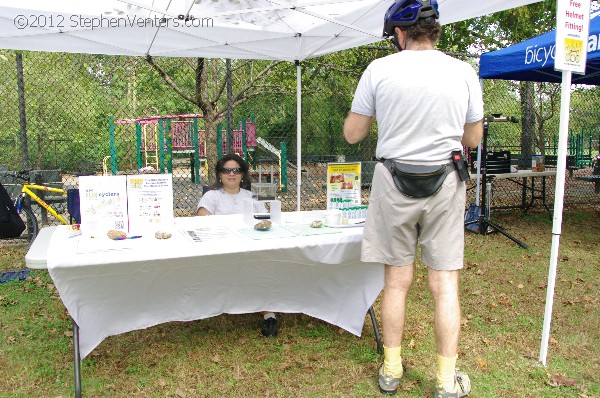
208 87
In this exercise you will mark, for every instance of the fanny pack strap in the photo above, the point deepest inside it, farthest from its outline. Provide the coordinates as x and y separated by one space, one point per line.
392 165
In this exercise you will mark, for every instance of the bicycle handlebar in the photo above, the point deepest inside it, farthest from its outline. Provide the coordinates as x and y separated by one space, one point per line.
22 175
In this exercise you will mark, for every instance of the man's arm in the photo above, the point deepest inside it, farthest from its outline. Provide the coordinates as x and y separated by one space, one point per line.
473 132
356 127
203 212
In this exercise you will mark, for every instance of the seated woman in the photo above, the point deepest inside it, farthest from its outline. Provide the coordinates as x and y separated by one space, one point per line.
226 196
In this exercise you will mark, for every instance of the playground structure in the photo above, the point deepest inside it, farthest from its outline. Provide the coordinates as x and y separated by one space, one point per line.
580 147
161 140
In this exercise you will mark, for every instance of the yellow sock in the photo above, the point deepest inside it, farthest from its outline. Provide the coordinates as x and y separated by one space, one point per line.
445 371
392 361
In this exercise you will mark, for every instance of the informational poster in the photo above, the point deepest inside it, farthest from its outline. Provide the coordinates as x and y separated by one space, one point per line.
343 185
134 204
103 203
150 202
572 27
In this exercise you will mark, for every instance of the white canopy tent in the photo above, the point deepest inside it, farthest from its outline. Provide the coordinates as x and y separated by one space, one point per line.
288 30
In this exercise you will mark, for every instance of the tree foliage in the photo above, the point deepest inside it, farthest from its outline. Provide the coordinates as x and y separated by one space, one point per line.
69 97
206 89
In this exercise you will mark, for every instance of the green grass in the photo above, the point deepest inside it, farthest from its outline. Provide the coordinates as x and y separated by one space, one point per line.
503 292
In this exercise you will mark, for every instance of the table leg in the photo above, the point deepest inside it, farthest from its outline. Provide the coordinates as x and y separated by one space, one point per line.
76 360
533 197
524 194
544 196
376 330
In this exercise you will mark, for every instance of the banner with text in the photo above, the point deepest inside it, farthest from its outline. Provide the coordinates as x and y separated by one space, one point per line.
572 28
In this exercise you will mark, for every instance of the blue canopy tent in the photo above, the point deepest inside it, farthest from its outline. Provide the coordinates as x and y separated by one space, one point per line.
533 59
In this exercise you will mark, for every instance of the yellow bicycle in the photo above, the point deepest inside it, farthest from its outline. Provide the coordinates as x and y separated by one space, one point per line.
23 204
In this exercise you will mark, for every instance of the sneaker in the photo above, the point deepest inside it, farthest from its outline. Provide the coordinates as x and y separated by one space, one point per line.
269 328
388 384
462 387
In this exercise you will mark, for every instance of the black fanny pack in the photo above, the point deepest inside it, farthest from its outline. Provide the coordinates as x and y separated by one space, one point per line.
418 181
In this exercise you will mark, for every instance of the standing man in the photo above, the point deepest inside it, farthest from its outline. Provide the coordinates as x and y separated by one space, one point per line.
427 105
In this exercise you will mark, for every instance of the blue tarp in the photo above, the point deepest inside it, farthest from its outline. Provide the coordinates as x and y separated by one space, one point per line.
533 59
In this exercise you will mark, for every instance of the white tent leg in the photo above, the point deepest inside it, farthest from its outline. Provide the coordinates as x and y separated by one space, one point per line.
298 134
563 133
478 181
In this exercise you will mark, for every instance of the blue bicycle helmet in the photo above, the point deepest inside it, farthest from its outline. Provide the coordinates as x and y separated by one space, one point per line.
404 13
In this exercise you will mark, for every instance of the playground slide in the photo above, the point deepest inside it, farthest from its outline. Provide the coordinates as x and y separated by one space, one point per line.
269 147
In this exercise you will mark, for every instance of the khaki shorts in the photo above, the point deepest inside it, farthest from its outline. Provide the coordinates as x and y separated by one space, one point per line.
396 223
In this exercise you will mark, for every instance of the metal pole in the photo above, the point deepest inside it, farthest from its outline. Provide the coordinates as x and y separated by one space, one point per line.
22 118
138 143
169 143
283 178
298 134
196 170
559 194
76 359
161 145
113 148
244 140
229 105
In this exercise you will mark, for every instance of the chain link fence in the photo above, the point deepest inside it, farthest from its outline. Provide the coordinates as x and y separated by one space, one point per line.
85 114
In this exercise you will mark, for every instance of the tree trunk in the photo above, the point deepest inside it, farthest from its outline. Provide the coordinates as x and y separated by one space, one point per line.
22 118
211 121
527 124
132 83
40 149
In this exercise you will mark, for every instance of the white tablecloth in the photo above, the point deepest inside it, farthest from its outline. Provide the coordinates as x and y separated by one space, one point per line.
114 287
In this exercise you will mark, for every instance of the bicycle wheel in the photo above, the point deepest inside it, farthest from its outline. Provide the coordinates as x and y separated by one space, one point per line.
31 224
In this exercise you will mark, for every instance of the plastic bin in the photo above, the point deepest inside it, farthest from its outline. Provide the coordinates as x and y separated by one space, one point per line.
264 190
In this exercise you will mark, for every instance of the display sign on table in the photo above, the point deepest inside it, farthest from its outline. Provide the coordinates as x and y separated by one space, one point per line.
133 203
343 185
150 199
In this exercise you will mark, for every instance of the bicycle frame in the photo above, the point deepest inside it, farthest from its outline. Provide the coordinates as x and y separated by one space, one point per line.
27 190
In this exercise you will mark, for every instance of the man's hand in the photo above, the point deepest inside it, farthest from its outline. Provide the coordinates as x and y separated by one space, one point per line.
356 127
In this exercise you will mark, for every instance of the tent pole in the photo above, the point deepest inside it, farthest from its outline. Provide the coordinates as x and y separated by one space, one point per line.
559 193
229 135
478 181
298 133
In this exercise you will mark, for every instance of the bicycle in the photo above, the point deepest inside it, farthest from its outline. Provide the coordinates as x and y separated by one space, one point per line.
23 203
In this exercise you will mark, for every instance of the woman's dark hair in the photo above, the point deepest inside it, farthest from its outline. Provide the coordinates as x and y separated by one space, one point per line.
245 183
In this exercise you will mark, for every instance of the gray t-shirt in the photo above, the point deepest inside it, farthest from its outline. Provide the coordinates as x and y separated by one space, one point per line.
422 100
219 202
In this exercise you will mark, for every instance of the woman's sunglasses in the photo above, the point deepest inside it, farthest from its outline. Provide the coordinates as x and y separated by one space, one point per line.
234 170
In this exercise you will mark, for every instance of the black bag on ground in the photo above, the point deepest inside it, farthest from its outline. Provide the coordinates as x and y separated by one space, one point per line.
418 181
11 224
472 215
